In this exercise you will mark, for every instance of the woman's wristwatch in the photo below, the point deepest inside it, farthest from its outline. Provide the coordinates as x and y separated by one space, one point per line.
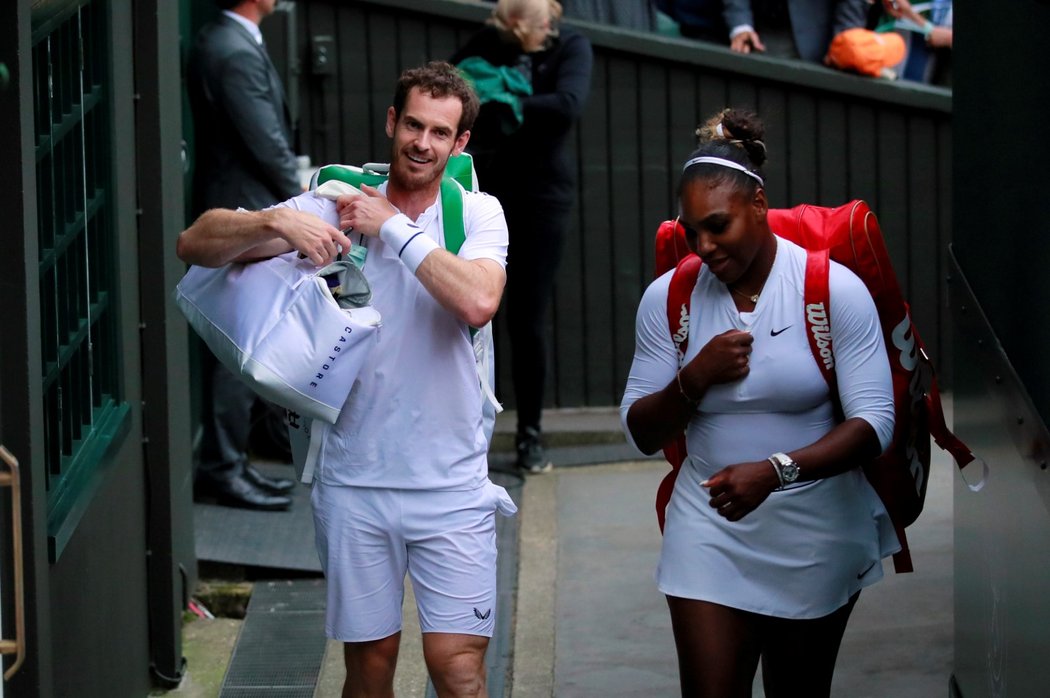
786 468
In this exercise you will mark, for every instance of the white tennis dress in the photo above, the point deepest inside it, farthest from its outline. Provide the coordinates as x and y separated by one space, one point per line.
805 550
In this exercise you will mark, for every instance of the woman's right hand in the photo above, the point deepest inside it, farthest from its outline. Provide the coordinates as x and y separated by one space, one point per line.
661 415
724 359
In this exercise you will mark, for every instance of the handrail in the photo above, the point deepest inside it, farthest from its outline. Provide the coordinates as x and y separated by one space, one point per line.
17 646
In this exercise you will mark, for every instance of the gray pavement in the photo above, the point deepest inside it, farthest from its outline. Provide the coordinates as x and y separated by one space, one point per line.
590 621
609 632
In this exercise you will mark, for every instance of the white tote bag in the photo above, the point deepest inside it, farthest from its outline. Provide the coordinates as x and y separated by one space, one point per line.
277 326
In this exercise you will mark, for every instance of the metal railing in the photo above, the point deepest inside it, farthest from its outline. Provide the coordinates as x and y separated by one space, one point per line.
17 646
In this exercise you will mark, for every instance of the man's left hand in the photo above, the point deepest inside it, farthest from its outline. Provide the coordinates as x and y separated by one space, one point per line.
364 214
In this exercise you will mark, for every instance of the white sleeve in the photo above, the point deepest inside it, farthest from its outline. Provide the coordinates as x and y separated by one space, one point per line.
655 357
309 202
861 363
486 229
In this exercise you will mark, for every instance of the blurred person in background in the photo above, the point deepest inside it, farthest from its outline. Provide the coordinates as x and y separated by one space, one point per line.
639 15
243 158
791 28
529 171
927 30
698 19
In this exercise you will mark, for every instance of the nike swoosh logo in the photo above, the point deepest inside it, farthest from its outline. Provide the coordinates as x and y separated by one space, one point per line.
774 333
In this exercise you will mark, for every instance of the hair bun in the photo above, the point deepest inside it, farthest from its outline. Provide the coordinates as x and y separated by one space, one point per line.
746 127
738 127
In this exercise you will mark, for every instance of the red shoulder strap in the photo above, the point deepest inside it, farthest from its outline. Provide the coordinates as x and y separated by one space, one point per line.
818 315
679 294
939 430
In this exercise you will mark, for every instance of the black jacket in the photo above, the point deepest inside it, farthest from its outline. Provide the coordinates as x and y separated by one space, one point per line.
533 162
243 132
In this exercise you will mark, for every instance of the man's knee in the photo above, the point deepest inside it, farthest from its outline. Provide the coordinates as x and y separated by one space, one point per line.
370 665
456 663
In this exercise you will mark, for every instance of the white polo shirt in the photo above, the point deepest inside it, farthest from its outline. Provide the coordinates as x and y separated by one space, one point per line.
413 419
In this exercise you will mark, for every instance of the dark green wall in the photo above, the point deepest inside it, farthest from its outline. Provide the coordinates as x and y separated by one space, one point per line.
1002 155
104 583
1002 388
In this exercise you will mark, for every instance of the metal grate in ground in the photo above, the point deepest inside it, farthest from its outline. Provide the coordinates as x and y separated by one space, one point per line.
282 643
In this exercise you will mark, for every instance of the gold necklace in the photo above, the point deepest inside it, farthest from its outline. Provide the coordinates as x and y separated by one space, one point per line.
753 298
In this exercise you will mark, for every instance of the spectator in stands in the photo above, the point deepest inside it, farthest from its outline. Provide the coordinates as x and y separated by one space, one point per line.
697 19
791 28
628 14
529 171
929 39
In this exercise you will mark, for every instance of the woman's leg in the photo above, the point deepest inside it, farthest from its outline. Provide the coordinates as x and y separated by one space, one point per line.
718 648
798 656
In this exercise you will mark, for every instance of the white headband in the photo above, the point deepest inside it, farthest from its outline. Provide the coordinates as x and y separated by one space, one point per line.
706 159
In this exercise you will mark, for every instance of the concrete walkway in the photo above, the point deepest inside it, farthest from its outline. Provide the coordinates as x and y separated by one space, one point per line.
590 621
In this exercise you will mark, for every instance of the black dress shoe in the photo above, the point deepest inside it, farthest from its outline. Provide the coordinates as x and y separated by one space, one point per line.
237 491
273 485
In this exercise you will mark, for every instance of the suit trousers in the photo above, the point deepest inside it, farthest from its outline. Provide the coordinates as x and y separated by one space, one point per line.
230 410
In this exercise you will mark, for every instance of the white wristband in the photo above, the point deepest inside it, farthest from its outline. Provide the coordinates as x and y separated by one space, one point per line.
408 240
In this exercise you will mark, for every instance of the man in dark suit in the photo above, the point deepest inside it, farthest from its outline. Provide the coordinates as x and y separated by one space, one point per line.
244 159
791 28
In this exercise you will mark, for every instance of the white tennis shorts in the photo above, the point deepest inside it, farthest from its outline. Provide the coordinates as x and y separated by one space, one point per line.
368 538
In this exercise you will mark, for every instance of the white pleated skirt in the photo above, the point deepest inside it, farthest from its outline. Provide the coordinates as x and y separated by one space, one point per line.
801 554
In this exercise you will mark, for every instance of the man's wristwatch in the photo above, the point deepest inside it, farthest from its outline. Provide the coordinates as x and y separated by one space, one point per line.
786 467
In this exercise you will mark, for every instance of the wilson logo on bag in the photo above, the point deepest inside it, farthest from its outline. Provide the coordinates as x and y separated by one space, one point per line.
849 235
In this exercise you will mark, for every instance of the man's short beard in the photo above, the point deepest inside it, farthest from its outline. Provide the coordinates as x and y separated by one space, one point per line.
414 184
